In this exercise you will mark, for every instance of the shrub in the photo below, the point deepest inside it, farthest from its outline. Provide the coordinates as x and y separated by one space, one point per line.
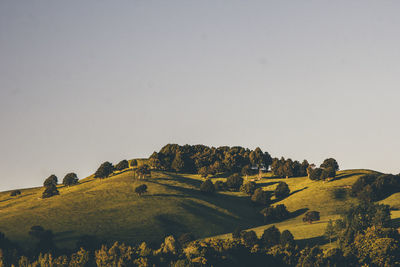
282 190
286 238
52 179
260 197
248 188
220 186
15 193
207 187
122 165
70 179
277 213
271 236
249 238
234 182
141 189
104 170
311 216
50 190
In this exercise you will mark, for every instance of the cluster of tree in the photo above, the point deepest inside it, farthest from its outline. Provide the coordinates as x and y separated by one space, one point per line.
326 170
107 168
206 160
15 193
143 171
288 168
50 187
373 187
233 183
275 213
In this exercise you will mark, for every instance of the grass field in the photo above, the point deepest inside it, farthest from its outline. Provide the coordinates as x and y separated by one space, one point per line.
110 210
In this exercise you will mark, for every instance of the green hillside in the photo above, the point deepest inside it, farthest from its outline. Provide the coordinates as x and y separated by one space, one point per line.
109 209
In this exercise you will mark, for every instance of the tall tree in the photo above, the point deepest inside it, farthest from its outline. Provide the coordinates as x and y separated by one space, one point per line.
70 179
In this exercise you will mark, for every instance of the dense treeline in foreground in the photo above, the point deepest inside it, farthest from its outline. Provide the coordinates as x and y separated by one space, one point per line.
364 234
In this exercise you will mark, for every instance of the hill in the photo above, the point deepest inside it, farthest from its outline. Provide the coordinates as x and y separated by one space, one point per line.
110 210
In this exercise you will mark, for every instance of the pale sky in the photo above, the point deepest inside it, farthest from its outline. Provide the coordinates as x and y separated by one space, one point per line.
83 82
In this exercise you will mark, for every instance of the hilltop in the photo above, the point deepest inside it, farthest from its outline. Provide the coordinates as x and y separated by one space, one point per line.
110 210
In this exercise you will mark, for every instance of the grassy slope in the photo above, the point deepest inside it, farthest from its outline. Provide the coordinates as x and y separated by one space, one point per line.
110 210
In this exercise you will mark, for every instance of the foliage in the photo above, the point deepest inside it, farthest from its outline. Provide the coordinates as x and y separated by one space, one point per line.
122 165
52 179
220 186
50 190
282 190
288 168
134 163
271 236
316 174
311 216
277 213
328 173
260 197
330 163
287 238
15 193
207 187
104 170
70 179
143 171
249 238
373 187
248 188
141 189
234 182
204 171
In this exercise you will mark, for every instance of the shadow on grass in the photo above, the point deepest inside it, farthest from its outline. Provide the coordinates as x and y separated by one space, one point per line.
17 197
298 212
296 191
313 241
343 176
266 184
178 178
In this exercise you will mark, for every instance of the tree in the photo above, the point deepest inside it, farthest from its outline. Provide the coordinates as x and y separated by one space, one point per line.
282 190
204 171
50 190
122 165
315 174
330 163
287 238
330 232
143 171
178 164
260 197
271 236
246 171
328 173
207 187
311 216
277 213
104 170
248 188
134 163
234 182
70 179
220 186
141 189
249 238
15 193
52 179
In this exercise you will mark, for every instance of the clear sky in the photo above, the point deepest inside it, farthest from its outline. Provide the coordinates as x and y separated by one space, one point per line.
82 82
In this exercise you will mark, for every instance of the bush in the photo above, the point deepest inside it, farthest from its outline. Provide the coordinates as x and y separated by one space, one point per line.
311 216
282 190
277 213
286 238
122 165
207 187
220 186
104 170
260 197
50 190
249 238
15 193
52 179
70 179
271 236
234 182
248 188
141 189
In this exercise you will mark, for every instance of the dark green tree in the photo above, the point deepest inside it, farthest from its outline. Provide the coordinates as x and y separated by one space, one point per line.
271 236
178 164
311 216
207 187
104 170
15 193
234 182
143 171
287 238
70 179
260 197
134 163
248 188
122 165
282 190
330 163
50 190
52 179
141 189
